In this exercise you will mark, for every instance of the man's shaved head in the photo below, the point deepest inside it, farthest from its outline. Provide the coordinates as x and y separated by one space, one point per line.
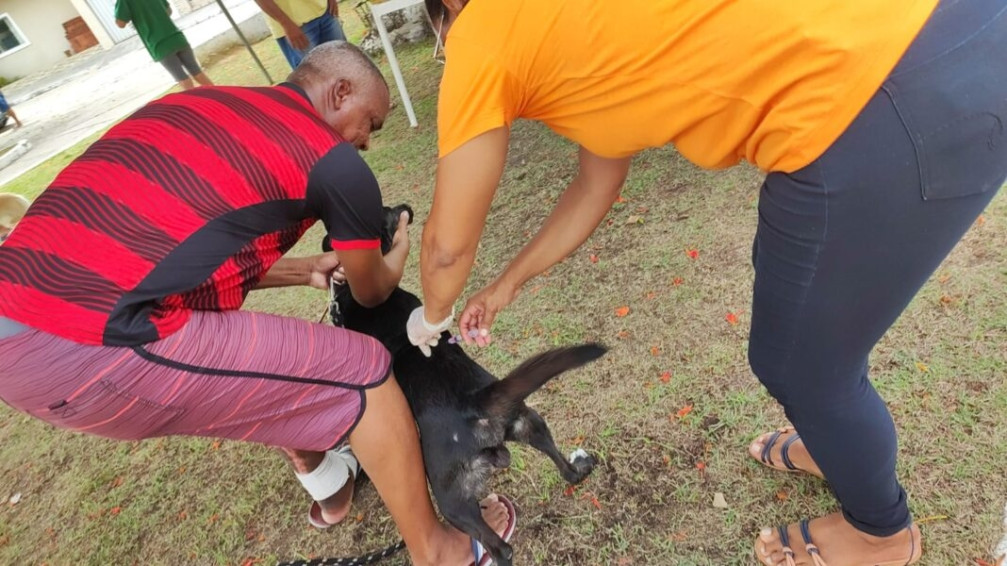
335 60
346 88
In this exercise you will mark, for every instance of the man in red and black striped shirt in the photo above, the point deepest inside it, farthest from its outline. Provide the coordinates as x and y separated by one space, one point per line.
120 289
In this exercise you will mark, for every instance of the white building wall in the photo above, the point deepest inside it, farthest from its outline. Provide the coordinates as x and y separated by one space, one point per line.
43 28
104 10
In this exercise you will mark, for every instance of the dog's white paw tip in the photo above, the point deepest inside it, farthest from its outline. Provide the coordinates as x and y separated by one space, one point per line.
579 454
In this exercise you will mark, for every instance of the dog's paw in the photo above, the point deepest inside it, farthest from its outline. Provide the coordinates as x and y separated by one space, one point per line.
582 464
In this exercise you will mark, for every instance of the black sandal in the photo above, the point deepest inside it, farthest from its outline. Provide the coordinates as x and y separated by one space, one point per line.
809 545
788 553
915 550
767 448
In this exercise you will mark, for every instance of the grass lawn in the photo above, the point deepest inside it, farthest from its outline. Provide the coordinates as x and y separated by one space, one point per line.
193 501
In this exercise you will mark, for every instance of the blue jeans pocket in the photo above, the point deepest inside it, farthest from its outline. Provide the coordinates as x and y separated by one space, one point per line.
954 108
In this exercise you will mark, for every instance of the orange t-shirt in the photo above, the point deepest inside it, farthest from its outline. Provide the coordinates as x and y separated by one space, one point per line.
771 81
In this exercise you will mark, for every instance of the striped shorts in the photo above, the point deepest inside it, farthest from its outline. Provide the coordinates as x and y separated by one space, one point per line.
238 375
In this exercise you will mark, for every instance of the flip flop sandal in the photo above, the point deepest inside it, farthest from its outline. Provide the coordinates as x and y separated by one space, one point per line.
482 558
770 443
315 511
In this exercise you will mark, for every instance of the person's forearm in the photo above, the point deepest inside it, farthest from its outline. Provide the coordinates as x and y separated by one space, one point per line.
467 179
443 273
579 211
287 272
274 11
395 261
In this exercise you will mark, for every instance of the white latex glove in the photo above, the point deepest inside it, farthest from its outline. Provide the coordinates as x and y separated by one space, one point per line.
424 335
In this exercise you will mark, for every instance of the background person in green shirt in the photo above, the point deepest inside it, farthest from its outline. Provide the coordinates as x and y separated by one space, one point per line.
165 43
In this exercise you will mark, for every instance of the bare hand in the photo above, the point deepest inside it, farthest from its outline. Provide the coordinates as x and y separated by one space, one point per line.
402 231
323 267
334 8
296 38
480 311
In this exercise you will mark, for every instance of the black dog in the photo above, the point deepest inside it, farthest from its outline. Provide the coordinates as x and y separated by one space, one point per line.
464 413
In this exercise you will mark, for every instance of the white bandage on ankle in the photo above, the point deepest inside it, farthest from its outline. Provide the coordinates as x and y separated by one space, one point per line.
328 478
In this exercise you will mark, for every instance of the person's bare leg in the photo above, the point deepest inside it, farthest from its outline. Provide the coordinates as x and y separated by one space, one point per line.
335 507
203 80
186 84
13 115
387 445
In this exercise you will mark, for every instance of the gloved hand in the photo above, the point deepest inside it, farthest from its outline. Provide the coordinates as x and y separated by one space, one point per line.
423 334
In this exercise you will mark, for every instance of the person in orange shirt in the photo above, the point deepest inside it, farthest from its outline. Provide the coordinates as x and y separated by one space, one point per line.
879 126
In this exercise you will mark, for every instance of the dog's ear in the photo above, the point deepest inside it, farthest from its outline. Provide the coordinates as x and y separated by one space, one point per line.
392 216
398 210
501 398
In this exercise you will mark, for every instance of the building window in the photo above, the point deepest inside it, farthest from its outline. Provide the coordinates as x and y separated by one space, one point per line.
11 38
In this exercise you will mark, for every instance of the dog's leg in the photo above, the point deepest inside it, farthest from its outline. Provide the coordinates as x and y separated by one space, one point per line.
530 428
467 517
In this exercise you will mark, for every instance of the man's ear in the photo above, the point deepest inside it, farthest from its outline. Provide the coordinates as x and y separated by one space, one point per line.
340 92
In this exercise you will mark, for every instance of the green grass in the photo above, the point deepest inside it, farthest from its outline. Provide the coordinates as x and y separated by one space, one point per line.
188 501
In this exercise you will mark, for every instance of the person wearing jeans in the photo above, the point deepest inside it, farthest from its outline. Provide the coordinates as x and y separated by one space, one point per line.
299 25
880 126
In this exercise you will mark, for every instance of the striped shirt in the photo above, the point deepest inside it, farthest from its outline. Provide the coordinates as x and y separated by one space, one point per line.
183 206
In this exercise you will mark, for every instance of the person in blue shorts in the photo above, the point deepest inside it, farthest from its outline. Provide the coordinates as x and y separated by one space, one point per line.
7 112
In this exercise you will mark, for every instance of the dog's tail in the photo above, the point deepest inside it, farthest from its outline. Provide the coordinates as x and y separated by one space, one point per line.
503 397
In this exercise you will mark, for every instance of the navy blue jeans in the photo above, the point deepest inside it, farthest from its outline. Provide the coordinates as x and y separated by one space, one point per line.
319 30
845 243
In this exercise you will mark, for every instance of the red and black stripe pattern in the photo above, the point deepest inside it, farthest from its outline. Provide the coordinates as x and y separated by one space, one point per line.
184 205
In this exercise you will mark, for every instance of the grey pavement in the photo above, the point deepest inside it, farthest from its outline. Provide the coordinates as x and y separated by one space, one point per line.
90 91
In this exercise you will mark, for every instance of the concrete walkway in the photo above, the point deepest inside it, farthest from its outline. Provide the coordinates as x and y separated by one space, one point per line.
90 91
